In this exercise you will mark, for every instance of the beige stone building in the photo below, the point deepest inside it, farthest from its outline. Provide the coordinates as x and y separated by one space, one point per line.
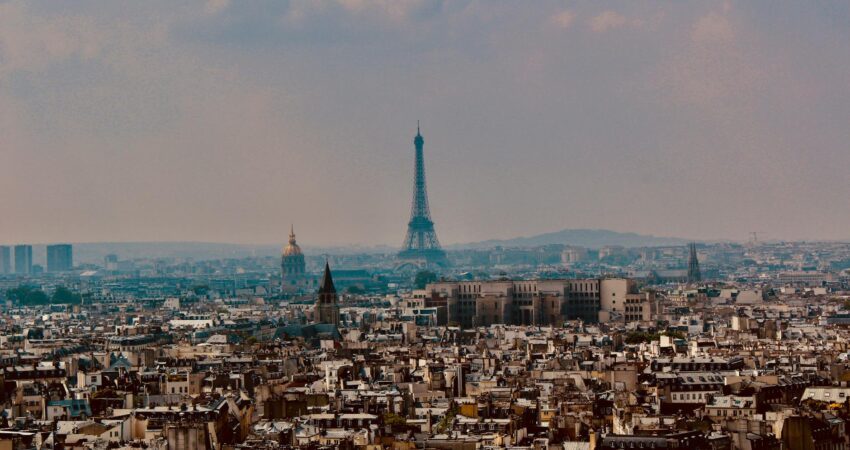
540 302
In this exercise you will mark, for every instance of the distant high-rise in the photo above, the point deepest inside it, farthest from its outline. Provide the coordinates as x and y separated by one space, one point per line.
60 258
694 275
327 307
23 259
420 243
5 259
110 262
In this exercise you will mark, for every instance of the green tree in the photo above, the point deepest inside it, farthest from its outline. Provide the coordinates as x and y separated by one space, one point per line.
447 421
355 290
64 296
394 420
200 289
636 337
675 334
27 296
423 277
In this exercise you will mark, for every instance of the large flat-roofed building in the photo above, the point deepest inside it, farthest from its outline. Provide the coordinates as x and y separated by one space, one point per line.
683 440
60 258
538 302
804 278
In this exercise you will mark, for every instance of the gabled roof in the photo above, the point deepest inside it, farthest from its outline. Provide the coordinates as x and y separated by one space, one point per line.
119 361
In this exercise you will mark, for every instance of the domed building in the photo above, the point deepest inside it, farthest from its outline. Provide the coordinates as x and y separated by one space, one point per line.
293 267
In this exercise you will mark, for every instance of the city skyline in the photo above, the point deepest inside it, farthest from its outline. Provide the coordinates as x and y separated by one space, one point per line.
221 227
226 122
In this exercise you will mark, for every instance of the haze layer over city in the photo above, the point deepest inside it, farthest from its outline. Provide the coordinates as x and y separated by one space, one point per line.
424 224
228 121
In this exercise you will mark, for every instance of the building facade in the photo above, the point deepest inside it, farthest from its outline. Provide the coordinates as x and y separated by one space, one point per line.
23 259
5 259
60 258
540 302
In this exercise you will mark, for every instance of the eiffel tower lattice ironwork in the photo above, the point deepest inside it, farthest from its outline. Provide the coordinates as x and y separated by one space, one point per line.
421 242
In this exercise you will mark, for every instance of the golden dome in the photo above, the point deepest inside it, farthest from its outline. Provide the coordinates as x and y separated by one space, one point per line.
292 248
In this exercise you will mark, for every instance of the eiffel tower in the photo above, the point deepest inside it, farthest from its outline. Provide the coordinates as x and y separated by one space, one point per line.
420 243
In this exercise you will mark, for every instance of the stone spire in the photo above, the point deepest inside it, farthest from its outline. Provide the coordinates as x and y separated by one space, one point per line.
327 286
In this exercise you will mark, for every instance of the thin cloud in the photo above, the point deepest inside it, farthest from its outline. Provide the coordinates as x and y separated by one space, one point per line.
607 20
611 20
563 19
713 70
216 6
32 43
712 28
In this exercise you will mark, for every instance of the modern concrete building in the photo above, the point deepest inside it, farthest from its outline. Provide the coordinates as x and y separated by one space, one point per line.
5 259
23 259
620 301
572 255
60 258
110 262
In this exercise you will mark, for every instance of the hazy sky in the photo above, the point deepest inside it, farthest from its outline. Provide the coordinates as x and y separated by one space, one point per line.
227 121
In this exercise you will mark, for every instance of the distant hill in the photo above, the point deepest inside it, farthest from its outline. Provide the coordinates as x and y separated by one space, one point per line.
579 237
